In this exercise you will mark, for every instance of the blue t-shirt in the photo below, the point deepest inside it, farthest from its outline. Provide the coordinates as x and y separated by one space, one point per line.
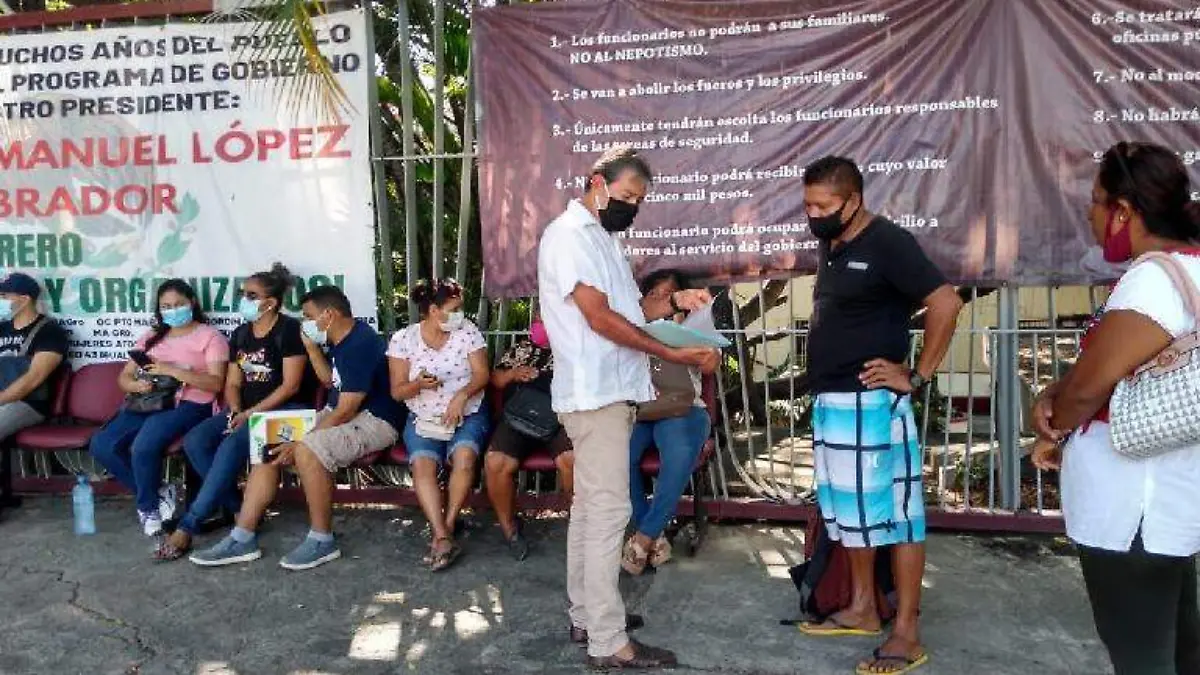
360 366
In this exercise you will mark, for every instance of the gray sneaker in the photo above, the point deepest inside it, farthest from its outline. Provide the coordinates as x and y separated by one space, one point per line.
309 554
228 551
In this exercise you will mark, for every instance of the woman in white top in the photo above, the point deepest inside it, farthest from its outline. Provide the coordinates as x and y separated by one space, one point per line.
1136 522
439 370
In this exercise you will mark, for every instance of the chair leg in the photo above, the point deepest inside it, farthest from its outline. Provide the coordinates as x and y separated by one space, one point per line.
700 505
191 484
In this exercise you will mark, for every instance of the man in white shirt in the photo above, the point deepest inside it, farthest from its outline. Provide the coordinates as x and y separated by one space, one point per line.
591 306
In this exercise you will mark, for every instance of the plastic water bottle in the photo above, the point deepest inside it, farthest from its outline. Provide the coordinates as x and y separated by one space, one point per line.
85 505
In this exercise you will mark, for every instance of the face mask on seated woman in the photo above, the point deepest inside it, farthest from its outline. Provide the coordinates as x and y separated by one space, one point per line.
454 321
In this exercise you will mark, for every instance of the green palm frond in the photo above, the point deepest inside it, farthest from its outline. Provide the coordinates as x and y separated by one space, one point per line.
284 32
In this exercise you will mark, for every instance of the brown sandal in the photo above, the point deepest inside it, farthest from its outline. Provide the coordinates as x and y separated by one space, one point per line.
634 558
167 552
660 553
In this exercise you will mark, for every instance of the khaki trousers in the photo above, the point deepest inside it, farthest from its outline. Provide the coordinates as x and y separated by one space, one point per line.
600 513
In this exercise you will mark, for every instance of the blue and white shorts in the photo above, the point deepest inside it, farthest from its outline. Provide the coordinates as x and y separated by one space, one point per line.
868 468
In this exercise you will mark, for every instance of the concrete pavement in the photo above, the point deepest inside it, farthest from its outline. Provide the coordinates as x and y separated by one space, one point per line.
99 605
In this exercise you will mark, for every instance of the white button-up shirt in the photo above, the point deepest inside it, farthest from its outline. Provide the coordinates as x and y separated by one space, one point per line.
590 371
1106 496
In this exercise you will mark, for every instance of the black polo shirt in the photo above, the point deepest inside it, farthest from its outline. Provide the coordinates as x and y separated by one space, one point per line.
866 291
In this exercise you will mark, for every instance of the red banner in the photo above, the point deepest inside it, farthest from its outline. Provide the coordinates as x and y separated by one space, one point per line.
977 123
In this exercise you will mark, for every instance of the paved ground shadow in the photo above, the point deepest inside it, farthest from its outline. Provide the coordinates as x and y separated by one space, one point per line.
100 605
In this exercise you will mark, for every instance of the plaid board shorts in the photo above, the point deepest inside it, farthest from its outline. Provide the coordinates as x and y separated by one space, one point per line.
868 468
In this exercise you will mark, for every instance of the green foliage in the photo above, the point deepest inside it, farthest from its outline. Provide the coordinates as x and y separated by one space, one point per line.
453 83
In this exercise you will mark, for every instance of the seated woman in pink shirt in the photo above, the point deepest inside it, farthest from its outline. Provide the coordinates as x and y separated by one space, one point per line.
183 347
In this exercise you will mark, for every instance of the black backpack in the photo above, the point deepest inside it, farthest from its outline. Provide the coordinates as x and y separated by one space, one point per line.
823 579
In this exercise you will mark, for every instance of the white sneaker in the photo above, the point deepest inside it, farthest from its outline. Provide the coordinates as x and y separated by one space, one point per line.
152 524
168 501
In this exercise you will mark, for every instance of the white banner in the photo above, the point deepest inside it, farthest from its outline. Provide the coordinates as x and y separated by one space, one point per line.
137 154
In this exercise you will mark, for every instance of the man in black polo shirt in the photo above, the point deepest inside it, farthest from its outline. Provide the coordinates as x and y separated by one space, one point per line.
872 277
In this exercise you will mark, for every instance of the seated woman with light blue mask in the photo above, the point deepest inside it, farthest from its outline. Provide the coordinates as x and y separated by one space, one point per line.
183 359
268 371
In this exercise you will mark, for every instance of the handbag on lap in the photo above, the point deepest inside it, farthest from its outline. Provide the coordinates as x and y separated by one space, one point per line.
161 396
676 392
530 413
434 430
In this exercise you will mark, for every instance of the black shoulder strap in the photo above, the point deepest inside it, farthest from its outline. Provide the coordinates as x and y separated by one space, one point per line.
28 343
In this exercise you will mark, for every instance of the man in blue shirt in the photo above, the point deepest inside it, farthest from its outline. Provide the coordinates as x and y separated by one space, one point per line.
360 418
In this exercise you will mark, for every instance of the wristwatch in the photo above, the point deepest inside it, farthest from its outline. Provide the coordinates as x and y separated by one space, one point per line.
917 381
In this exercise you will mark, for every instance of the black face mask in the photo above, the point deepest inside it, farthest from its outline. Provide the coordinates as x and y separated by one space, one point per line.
831 226
618 215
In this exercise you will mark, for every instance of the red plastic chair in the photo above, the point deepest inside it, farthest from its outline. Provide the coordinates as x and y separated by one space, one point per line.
92 398
62 388
61 383
398 455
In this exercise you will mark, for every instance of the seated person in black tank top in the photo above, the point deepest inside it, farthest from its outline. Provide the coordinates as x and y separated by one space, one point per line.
268 370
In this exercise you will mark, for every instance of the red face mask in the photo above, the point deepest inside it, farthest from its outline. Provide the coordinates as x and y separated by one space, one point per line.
1118 248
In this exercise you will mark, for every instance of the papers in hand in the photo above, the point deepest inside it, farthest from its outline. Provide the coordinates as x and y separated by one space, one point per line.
697 330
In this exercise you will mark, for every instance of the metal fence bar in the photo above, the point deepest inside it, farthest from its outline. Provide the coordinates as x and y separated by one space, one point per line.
439 134
1037 353
383 227
791 408
483 313
1008 397
992 434
428 157
465 182
723 406
945 466
971 338
408 146
752 475
768 423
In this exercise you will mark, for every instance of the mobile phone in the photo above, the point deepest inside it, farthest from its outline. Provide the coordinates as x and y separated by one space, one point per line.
140 357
